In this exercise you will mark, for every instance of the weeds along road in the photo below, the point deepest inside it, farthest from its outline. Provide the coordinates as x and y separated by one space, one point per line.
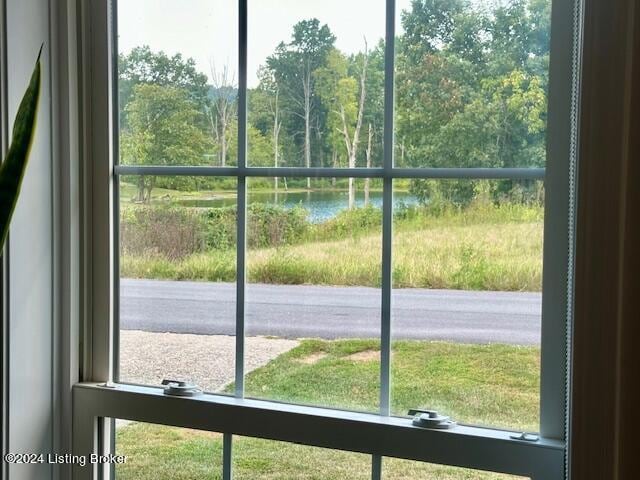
304 311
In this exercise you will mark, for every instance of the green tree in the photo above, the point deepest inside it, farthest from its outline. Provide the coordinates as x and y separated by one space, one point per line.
345 95
162 131
143 66
260 151
471 89
293 65
429 24
503 126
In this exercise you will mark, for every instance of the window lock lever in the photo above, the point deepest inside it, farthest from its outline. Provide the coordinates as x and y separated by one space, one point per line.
179 388
431 419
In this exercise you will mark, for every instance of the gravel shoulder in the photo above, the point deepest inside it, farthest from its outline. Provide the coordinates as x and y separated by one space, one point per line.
207 360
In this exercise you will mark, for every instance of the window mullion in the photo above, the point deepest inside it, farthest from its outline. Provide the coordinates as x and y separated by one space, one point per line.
227 456
387 213
387 226
241 226
241 244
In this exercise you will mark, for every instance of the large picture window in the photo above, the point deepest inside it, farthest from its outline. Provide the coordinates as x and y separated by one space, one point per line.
331 214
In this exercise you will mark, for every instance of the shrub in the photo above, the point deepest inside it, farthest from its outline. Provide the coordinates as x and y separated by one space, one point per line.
267 226
273 225
170 232
176 232
349 223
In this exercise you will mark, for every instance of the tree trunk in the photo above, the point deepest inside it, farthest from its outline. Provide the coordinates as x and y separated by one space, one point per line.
367 181
140 193
223 145
352 194
334 164
276 135
307 122
352 144
147 197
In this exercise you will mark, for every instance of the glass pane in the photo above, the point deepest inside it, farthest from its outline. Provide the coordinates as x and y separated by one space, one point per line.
397 469
257 459
467 270
316 83
177 82
156 452
314 274
471 83
177 280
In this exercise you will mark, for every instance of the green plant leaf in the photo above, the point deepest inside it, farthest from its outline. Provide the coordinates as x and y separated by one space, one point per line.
14 165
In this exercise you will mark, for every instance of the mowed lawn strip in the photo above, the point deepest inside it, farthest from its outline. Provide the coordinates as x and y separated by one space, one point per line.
496 385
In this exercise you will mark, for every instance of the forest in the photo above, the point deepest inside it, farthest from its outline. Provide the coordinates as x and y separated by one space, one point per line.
470 91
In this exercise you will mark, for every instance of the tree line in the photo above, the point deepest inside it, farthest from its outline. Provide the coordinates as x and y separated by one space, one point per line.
471 91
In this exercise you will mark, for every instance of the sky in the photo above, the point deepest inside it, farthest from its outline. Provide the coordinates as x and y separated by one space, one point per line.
207 31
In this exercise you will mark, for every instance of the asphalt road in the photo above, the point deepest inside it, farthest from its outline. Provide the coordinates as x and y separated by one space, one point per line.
303 311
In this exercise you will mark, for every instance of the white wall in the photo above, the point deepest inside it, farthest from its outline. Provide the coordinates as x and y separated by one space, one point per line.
29 346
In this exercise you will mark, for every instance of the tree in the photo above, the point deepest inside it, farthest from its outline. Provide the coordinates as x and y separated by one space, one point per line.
503 126
293 65
471 88
143 66
259 153
162 131
266 112
345 95
428 25
221 109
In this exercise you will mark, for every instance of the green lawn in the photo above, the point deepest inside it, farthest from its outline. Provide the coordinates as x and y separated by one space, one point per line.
487 384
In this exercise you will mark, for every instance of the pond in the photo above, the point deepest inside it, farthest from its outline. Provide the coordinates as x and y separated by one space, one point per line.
322 205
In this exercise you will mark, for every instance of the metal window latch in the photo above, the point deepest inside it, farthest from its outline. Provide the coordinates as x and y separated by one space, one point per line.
431 419
178 388
527 437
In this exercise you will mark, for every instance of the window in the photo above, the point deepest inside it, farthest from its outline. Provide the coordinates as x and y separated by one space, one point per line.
338 221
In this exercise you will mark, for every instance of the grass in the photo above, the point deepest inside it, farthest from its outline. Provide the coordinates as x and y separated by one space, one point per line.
483 384
162 453
500 250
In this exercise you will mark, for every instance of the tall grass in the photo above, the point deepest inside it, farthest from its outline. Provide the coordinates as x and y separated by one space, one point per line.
482 247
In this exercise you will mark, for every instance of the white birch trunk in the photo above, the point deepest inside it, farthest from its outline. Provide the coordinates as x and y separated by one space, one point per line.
367 181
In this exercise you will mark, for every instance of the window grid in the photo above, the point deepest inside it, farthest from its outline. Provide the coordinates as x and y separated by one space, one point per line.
388 173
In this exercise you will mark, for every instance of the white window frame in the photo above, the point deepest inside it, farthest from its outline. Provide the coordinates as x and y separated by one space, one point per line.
377 434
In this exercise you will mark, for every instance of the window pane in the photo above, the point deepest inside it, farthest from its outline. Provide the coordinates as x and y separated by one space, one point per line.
398 469
316 83
177 83
156 452
471 83
467 269
177 280
257 459
314 275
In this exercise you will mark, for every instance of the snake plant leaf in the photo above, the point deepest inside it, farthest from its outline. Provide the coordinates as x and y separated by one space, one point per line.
14 165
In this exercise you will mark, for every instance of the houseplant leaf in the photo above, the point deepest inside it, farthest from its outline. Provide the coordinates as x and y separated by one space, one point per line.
14 165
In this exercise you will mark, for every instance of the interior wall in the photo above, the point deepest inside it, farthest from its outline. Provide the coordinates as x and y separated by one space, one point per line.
29 313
